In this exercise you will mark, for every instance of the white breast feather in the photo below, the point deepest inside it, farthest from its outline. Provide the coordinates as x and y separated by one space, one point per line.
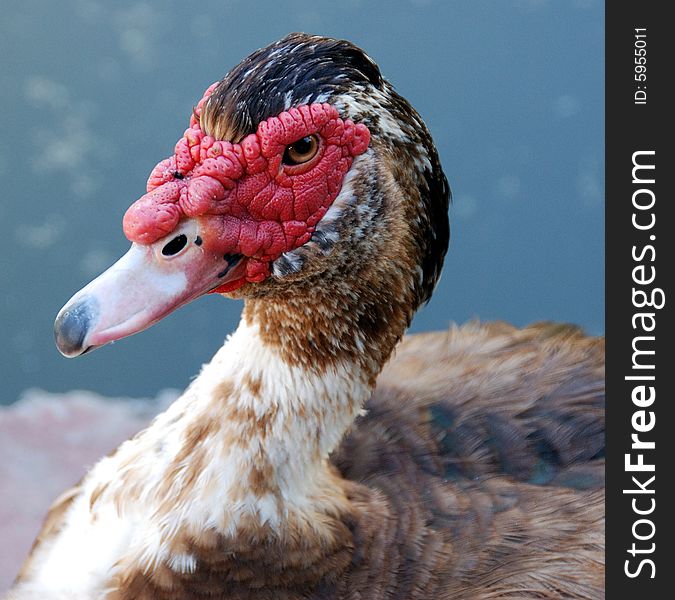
81 559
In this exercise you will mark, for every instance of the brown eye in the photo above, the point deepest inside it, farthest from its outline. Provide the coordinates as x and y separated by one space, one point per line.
300 152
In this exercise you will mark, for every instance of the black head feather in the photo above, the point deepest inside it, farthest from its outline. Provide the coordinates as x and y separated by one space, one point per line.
298 69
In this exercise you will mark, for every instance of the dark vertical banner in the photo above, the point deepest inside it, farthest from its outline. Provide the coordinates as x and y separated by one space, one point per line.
640 261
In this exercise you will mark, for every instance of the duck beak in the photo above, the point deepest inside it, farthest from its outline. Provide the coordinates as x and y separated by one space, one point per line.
146 284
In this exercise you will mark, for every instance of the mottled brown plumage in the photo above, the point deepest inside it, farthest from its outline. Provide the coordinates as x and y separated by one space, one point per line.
474 470
477 472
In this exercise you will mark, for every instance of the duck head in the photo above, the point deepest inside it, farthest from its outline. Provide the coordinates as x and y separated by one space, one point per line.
300 167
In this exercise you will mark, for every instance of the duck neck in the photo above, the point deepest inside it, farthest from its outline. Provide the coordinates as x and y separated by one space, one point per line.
240 460
277 424
277 399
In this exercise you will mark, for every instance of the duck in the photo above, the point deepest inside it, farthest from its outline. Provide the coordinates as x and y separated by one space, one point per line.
321 454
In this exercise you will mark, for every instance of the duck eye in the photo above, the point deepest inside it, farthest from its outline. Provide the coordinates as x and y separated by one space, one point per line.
301 151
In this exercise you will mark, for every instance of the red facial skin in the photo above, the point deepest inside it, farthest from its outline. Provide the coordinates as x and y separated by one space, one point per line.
249 203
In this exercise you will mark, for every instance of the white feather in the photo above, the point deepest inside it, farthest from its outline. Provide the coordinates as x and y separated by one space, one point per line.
130 523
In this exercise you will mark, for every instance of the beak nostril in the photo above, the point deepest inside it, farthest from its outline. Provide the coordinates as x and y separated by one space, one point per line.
175 245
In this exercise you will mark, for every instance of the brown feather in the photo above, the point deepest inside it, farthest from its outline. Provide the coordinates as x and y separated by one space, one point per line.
441 499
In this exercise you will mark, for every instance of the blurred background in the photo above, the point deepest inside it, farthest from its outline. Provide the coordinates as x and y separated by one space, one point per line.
94 93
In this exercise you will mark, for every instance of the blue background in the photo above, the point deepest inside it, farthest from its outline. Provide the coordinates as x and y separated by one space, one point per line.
93 94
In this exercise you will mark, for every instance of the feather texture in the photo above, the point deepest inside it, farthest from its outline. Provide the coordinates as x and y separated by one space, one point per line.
476 472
